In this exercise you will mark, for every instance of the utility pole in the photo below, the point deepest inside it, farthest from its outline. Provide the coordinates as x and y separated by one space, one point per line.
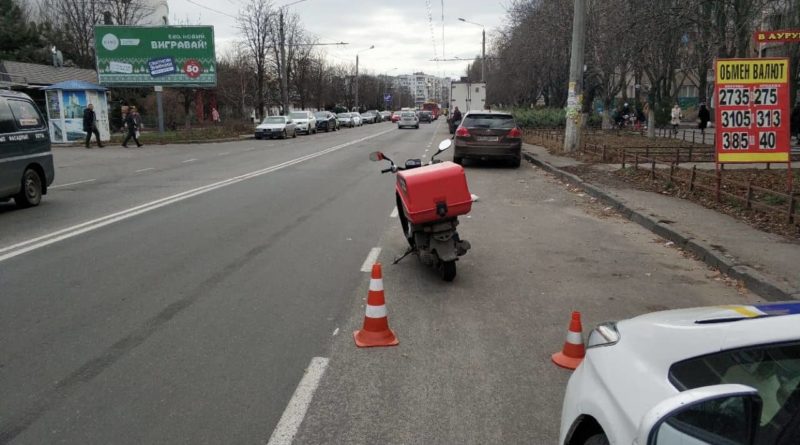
357 110
356 95
572 132
483 57
483 48
284 70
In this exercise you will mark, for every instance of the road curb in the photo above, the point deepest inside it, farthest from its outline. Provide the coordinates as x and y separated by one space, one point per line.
192 141
753 279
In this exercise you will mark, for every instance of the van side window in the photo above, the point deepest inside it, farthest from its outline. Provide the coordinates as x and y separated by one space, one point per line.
6 118
25 114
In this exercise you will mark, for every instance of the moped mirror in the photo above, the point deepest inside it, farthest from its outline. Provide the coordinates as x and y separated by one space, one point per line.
445 144
376 156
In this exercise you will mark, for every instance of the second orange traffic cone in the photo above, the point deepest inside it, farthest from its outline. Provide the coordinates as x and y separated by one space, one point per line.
376 330
573 352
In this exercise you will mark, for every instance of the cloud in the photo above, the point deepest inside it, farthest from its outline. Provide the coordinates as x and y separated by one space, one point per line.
400 32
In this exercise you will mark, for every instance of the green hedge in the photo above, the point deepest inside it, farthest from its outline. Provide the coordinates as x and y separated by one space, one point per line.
548 118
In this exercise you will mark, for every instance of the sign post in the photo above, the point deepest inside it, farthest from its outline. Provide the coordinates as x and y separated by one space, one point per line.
752 110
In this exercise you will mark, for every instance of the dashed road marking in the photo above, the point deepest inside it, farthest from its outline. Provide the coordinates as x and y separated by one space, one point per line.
372 257
223 153
188 160
85 181
394 213
145 169
295 411
335 331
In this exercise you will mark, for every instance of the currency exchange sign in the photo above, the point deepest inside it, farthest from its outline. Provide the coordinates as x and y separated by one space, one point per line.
158 55
752 110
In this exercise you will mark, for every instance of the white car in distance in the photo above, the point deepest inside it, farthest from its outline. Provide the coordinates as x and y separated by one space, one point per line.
712 375
304 121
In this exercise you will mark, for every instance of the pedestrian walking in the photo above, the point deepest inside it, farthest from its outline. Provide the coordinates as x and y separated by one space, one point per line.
90 126
795 123
130 123
676 115
138 118
703 117
215 116
456 115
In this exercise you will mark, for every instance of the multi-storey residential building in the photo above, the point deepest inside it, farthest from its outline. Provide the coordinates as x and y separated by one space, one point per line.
424 87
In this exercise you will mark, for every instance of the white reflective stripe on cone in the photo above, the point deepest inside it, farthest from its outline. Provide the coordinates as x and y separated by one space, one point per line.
576 338
376 284
376 311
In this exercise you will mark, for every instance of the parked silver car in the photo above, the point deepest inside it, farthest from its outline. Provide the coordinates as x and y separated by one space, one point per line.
368 118
276 127
350 119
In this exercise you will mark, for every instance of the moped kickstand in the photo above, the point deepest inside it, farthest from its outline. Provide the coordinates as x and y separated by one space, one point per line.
408 252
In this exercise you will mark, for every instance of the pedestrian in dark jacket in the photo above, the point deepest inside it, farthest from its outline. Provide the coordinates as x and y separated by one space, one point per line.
703 115
90 125
795 127
133 126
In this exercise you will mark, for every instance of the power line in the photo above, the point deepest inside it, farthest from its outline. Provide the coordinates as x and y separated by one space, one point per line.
212 9
430 25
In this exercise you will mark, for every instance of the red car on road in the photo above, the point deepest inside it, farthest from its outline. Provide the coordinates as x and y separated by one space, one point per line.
395 116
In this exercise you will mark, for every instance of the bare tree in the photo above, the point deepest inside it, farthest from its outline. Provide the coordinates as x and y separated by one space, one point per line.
235 81
255 25
71 23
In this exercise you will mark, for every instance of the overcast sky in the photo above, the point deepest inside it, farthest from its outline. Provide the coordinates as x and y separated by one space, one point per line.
399 29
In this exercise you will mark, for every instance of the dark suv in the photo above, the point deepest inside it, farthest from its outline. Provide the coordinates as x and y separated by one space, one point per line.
488 135
26 163
326 121
425 116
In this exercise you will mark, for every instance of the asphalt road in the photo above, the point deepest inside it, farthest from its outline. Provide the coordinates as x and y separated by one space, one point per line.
178 295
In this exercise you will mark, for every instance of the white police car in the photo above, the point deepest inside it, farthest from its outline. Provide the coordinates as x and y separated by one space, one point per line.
712 375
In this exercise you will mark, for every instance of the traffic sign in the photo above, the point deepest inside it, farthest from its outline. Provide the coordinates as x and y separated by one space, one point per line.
387 98
752 110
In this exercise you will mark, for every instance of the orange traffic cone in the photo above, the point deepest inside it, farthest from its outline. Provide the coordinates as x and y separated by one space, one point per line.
573 352
376 330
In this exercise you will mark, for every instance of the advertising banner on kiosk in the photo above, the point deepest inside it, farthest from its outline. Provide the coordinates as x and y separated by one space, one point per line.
752 110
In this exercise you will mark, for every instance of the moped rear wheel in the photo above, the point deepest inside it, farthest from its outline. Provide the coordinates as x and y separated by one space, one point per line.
447 269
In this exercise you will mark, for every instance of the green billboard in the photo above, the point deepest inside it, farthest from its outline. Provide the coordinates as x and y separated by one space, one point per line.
157 55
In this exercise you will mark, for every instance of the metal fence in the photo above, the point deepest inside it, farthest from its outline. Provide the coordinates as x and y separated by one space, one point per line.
663 165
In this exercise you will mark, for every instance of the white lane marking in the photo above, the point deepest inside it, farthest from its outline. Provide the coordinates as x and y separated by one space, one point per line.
145 169
69 232
223 153
189 160
249 148
394 213
371 258
72 183
295 411
335 331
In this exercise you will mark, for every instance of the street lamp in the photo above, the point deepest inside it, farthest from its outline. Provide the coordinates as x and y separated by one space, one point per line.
483 48
359 52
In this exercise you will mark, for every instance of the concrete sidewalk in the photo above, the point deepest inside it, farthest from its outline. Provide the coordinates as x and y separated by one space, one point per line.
768 264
